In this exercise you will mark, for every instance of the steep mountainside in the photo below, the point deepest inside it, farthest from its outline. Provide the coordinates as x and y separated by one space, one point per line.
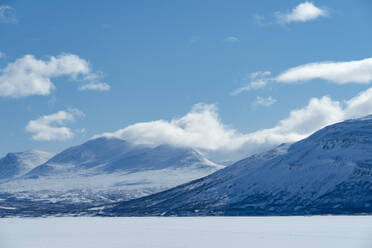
330 172
20 163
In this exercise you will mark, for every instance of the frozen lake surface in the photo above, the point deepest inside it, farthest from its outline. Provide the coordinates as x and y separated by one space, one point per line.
174 232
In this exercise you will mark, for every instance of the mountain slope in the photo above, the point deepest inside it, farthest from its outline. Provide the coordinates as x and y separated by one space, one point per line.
20 163
108 155
330 172
105 170
82 157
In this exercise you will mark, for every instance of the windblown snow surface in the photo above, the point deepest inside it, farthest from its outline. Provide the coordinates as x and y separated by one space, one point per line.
187 232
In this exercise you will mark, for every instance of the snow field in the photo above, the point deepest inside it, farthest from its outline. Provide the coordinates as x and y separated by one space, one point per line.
187 232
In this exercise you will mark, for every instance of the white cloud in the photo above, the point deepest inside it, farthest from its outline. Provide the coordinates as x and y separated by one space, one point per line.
359 105
53 127
232 39
257 79
301 122
258 84
259 74
201 128
7 14
303 12
357 71
2 55
264 101
30 76
95 86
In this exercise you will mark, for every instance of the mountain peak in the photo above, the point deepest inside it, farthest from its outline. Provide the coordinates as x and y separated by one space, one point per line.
15 164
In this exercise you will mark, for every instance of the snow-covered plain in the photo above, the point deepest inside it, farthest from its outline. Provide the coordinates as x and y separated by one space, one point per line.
182 232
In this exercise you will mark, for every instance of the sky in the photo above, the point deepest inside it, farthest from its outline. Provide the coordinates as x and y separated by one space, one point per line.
221 76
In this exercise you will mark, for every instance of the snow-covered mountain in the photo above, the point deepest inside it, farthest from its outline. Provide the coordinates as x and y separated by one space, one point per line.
109 155
329 172
19 163
104 170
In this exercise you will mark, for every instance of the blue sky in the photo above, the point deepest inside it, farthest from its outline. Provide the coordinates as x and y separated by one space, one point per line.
154 60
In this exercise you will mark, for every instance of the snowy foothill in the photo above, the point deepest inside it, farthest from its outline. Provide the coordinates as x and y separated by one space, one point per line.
185 232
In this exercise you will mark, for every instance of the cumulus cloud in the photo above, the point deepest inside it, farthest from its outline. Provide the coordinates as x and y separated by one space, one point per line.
303 12
264 101
359 105
53 127
7 14
95 86
257 80
232 39
319 112
30 76
357 71
202 128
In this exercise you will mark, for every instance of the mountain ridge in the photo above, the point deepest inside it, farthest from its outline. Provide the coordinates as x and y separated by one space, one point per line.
330 172
105 170
15 164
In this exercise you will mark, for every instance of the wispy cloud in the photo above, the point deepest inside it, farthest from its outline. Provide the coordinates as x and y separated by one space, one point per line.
259 19
257 80
30 76
231 39
7 14
53 126
264 101
357 71
345 72
303 12
2 55
95 86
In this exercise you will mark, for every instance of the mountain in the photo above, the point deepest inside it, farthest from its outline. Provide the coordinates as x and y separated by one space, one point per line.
20 163
103 170
329 172
109 155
